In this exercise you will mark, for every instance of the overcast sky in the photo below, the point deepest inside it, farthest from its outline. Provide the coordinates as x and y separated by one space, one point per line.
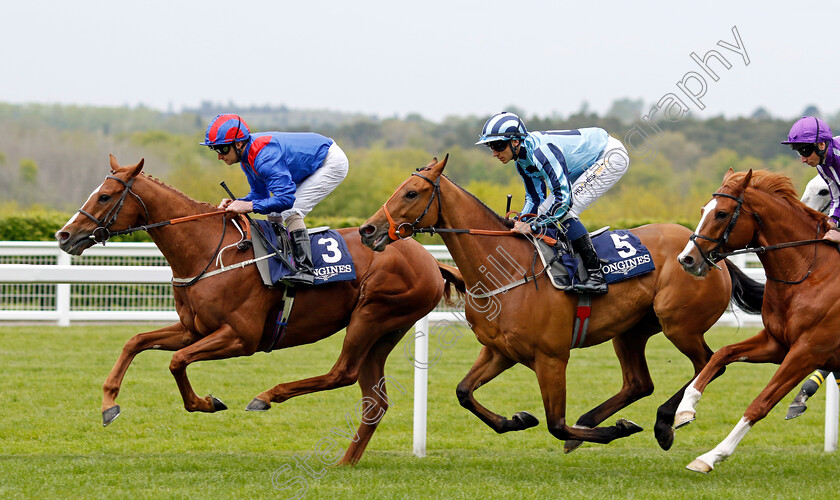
432 57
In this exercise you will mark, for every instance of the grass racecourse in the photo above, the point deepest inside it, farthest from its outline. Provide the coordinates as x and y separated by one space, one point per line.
53 445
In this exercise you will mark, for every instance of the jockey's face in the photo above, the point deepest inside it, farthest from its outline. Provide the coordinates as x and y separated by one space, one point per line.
231 156
506 154
813 159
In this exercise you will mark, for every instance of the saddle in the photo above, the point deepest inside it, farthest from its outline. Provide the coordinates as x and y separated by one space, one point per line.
622 254
330 256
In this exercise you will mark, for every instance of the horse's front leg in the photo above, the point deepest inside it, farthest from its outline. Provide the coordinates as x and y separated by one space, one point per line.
796 366
630 350
222 344
551 375
170 338
490 363
760 348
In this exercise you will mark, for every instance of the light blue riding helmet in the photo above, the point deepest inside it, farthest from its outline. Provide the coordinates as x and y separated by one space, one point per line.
502 127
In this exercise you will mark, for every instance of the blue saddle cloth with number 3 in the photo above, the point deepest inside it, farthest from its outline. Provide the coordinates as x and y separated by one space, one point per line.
330 256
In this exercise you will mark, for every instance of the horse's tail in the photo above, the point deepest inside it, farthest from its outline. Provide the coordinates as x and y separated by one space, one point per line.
747 293
451 277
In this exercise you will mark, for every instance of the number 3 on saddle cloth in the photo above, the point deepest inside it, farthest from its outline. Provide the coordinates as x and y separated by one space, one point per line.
330 258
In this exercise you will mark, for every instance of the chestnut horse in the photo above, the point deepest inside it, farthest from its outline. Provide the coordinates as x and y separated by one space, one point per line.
760 211
533 325
233 314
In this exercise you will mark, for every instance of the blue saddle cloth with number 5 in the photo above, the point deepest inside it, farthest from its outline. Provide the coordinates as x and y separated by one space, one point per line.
330 256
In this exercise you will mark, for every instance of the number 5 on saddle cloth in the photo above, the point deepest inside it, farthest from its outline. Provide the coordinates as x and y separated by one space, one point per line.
625 256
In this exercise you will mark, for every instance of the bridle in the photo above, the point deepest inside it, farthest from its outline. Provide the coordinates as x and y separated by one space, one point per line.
714 256
395 232
101 234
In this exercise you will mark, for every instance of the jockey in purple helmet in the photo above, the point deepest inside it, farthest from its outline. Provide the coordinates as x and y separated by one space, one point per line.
811 138
289 173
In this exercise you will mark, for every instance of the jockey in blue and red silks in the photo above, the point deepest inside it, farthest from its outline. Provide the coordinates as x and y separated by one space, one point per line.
289 173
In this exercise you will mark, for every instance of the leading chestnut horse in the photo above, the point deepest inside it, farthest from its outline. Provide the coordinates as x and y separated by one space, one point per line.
233 314
801 313
533 325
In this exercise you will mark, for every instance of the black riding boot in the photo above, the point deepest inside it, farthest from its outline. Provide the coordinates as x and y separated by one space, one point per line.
594 282
304 272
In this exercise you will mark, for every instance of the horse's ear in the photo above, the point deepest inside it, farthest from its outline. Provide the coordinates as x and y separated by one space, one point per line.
441 164
746 182
114 165
728 173
137 168
431 163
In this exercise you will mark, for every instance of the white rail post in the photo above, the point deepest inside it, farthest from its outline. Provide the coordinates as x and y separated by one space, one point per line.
421 380
62 294
832 394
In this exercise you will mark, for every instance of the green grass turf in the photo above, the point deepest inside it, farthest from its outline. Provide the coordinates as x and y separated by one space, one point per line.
52 443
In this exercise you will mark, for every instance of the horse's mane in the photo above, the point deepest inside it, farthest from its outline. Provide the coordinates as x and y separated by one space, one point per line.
777 184
507 222
202 204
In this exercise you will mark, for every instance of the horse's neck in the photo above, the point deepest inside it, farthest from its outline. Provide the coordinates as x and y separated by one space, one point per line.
487 258
185 246
781 223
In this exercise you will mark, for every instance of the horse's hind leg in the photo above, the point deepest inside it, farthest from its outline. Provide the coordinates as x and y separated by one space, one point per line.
170 338
490 363
375 400
630 350
361 335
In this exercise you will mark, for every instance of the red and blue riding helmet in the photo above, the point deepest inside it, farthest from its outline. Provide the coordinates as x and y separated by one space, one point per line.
225 129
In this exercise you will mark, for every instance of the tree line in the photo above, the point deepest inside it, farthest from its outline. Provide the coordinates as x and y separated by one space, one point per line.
52 156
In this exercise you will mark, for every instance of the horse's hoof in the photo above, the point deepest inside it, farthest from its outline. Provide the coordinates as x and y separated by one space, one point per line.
795 410
525 420
571 445
217 403
627 427
257 405
664 436
699 466
683 418
110 414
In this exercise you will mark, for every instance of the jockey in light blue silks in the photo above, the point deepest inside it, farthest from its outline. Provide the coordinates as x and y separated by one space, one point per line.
577 166
289 173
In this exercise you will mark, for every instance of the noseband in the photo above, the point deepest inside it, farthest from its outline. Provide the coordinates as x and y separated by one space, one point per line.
713 256
101 234
395 232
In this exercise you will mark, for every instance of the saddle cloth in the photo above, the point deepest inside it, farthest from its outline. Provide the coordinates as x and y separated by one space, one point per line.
625 254
330 256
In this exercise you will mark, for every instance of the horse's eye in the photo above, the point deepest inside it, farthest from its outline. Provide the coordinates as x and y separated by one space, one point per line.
721 214
823 192
411 195
104 198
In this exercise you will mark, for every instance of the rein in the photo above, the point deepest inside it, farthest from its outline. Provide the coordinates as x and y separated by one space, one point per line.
101 234
395 232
